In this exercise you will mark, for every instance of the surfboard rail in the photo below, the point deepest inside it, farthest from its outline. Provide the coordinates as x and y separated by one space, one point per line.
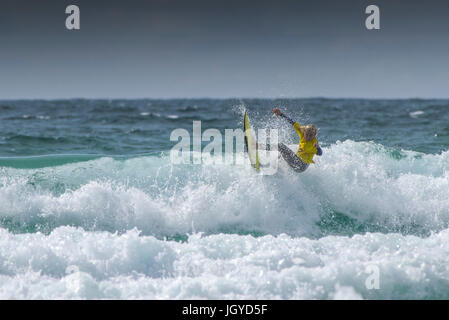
251 142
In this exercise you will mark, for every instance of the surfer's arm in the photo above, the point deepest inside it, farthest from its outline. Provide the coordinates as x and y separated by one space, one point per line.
319 151
295 124
278 112
287 118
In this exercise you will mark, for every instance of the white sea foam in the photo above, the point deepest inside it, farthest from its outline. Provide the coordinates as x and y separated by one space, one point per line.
146 199
71 263
416 114
363 181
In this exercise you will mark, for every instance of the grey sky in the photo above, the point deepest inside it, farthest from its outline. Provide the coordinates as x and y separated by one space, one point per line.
180 48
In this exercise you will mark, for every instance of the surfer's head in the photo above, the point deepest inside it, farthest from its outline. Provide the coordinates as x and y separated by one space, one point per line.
310 132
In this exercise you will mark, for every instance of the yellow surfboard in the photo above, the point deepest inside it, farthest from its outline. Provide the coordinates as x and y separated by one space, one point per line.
251 143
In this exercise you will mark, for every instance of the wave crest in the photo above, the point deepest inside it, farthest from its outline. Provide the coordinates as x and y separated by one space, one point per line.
354 187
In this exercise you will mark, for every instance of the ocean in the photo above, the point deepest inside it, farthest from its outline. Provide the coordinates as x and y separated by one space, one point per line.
91 207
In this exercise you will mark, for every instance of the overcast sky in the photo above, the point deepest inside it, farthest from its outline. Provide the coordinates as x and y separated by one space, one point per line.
228 48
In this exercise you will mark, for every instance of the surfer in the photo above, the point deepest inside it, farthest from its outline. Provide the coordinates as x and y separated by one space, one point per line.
308 145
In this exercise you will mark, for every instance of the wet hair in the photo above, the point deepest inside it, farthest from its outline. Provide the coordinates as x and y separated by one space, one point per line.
310 132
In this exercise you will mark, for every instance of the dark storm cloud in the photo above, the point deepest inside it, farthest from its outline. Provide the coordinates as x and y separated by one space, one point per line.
223 48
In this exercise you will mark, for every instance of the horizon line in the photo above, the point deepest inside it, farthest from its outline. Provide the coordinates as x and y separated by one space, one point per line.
224 98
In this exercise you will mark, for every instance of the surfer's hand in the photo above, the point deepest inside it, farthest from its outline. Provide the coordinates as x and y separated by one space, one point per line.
316 145
277 111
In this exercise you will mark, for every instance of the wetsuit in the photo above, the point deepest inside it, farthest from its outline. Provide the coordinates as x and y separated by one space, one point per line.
300 160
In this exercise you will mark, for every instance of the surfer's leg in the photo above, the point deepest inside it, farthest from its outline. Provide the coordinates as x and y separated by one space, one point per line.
291 158
287 154
300 166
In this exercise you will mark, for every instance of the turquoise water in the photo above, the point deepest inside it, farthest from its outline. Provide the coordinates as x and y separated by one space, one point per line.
130 127
92 208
